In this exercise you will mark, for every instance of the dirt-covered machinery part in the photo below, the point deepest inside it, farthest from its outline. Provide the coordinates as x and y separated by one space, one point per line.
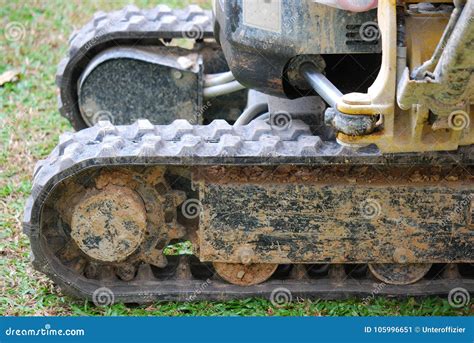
260 38
133 29
336 214
129 83
163 162
432 114
445 82
116 220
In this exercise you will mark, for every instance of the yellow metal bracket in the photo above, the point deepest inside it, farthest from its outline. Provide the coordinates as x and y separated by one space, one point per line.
410 129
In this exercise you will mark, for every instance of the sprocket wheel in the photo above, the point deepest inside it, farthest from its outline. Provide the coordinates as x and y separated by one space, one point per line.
118 219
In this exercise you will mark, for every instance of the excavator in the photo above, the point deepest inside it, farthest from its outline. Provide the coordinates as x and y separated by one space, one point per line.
320 148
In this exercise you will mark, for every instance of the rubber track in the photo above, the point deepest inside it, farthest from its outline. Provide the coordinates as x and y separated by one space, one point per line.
218 143
131 26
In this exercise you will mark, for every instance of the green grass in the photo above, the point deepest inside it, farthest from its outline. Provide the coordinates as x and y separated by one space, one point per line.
30 126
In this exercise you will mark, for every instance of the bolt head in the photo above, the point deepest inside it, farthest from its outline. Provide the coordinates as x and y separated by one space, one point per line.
401 255
177 74
245 255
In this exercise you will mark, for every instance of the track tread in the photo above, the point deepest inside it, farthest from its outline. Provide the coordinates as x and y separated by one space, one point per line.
180 143
158 22
181 139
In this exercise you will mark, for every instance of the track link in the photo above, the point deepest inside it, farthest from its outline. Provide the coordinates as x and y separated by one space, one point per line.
128 26
183 145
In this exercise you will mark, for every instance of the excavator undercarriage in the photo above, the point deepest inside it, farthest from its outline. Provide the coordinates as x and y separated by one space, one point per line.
296 154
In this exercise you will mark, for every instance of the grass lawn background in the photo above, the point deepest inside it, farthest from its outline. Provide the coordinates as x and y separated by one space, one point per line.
29 128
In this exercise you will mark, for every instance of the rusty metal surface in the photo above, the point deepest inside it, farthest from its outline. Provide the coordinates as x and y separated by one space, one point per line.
245 275
399 274
109 225
337 215
116 219
352 125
